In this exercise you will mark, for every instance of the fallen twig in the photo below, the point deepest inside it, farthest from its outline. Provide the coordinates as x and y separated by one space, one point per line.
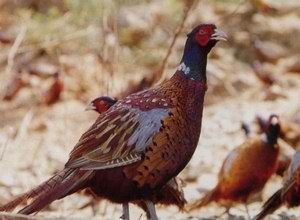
14 49
11 55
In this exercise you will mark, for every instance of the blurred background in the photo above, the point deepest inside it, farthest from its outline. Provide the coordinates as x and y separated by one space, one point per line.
57 55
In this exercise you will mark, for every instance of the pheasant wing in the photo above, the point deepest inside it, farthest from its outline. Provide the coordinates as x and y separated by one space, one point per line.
117 138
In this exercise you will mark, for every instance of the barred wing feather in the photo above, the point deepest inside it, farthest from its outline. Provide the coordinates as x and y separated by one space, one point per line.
117 138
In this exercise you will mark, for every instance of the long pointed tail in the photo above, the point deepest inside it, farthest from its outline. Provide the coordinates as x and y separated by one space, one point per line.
273 203
208 198
58 186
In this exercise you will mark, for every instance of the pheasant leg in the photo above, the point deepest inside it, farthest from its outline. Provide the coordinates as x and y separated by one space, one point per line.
151 210
125 215
247 211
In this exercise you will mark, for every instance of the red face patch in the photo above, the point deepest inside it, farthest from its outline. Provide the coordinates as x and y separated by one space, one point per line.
204 34
102 106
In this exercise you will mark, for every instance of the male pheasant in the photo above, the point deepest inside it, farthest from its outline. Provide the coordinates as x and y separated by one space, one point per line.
172 192
290 131
289 139
139 144
246 169
289 194
285 157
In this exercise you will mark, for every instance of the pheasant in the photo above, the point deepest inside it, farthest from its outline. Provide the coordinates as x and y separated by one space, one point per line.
171 193
288 194
290 131
245 170
285 155
141 142
289 138
101 104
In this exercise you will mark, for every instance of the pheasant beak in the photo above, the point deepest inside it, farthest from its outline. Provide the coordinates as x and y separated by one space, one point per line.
219 35
90 106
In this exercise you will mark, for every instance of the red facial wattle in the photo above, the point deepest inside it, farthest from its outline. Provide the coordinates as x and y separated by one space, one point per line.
102 106
203 35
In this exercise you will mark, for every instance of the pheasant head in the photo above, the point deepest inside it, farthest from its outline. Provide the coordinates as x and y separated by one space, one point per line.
199 43
101 104
273 129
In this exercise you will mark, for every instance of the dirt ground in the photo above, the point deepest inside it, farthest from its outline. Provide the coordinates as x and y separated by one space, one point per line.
107 48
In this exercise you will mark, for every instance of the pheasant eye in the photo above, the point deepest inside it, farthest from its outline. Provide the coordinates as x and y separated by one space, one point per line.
202 37
202 32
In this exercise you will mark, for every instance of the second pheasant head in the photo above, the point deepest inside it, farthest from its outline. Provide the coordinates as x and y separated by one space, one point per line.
273 129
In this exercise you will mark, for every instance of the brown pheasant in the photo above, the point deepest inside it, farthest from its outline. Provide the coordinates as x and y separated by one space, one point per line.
285 156
140 143
289 139
289 194
172 192
246 169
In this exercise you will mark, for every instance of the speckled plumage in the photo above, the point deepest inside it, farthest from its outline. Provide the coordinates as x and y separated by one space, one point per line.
168 152
138 145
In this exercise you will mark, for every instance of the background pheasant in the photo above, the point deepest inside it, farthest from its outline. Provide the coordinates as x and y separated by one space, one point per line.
246 169
286 150
288 194
288 141
141 142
